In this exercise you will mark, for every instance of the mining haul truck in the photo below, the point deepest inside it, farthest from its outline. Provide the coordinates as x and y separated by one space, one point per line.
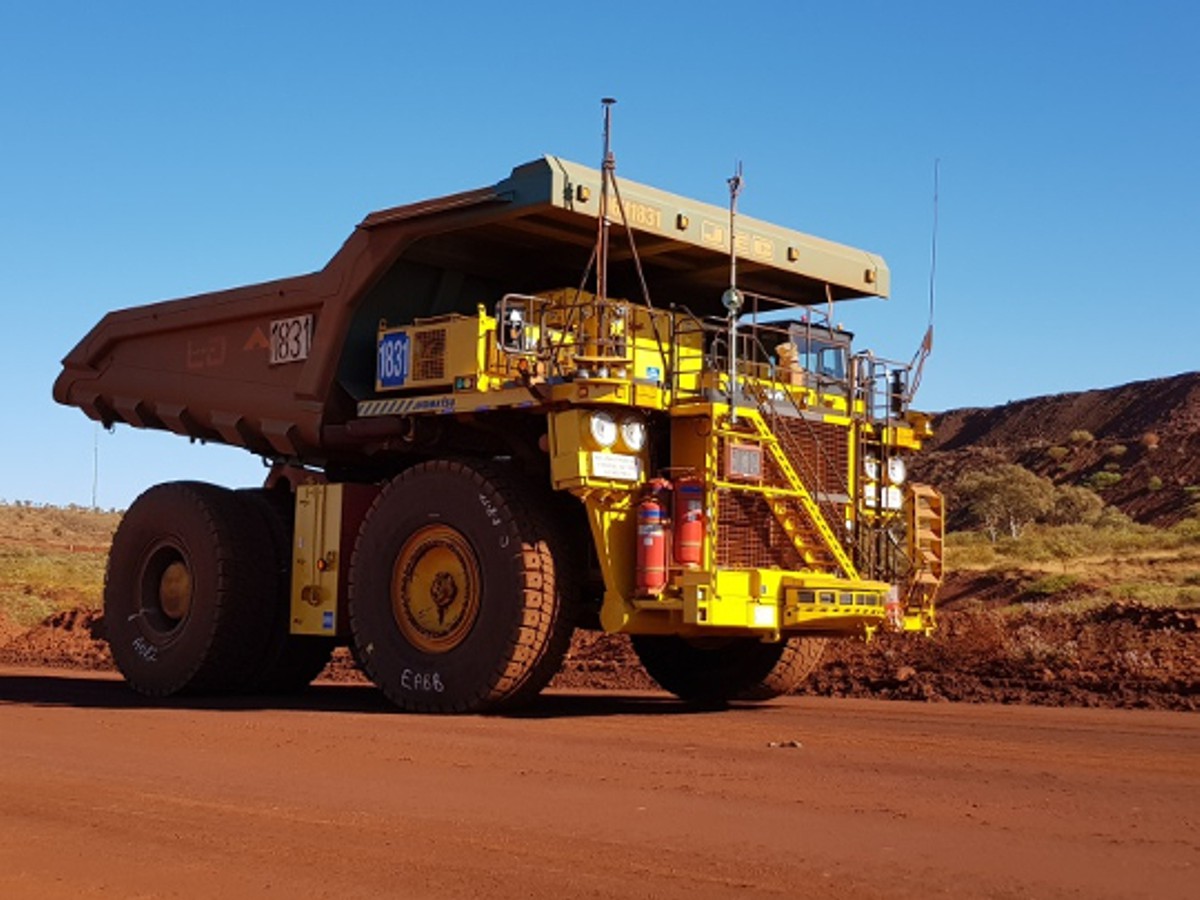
479 440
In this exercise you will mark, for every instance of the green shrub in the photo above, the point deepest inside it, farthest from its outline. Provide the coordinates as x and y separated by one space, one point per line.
1116 451
969 550
1079 437
1154 484
1120 525
1074 505
1099 481
1058 454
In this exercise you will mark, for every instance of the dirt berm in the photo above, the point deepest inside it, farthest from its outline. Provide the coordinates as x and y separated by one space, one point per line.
1119 655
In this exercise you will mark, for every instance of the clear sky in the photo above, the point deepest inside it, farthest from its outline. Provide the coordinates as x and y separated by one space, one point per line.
153 150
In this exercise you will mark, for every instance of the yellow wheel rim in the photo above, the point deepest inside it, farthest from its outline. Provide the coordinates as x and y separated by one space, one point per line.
435 589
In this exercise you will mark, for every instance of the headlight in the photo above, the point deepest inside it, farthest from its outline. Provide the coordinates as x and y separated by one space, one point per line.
633 433
896 470
602 428
871 468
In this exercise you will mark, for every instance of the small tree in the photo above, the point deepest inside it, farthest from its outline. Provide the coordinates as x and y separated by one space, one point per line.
1074 505
1008 496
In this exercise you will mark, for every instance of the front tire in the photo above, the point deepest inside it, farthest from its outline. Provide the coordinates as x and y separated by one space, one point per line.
718 670
458 597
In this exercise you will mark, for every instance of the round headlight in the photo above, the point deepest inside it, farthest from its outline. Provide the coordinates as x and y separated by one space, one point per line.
896 470
871 468
633 433
602 428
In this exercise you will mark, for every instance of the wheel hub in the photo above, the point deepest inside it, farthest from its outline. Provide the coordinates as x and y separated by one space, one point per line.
175 591
435 589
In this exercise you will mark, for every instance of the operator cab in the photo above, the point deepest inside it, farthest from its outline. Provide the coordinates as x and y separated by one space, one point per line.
822 351
802 349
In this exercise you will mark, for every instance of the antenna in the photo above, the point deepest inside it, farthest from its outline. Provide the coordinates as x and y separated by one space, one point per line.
918 363
600 253
735 188
732 298
933 240
607 168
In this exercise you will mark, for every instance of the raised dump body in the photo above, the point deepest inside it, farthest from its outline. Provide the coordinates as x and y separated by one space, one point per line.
475 450
279 367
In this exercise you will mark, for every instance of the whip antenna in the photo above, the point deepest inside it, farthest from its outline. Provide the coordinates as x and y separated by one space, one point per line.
933 241
918 363
607 169
732 298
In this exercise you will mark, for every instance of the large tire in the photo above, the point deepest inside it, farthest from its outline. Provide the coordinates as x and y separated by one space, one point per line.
458 590
182 592
288 662
715 671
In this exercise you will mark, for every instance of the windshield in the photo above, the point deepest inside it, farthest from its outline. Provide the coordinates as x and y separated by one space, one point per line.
820 352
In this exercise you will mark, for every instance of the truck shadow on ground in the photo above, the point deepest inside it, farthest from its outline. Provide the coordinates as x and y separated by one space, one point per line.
67 689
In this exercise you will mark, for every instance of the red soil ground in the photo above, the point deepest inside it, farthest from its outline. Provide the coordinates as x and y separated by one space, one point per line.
1117 656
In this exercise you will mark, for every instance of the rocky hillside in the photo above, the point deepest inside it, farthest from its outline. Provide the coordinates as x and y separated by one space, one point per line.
1137 445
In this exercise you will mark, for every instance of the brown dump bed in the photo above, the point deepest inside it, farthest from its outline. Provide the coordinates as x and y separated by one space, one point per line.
203 367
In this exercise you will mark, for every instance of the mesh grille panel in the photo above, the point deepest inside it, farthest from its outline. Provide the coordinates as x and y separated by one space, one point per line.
429 355
749 536
825 452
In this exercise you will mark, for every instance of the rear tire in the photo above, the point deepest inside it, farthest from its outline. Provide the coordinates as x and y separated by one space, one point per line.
182 590
288 662
717 670
458 590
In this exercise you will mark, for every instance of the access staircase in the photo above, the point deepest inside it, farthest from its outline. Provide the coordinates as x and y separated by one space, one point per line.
926 529
804 517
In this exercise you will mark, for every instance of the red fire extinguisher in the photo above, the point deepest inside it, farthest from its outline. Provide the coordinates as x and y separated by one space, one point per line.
651 559
689 521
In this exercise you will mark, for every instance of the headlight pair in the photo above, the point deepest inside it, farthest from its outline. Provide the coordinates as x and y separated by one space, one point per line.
605 430
897 471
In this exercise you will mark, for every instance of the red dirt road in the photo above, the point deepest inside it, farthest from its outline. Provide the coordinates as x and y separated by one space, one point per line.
104 794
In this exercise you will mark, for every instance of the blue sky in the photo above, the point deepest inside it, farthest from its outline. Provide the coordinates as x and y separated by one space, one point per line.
155 150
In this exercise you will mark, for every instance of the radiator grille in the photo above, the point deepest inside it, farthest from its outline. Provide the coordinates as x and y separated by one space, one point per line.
429 355
749 536
819 452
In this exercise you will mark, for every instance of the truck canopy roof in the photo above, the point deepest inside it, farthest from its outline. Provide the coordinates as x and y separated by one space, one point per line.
541 223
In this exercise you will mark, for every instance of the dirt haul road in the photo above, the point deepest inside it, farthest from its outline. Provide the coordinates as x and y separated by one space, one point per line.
105 794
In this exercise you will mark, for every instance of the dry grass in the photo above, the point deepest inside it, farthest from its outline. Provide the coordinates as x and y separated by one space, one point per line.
51 559
1078 569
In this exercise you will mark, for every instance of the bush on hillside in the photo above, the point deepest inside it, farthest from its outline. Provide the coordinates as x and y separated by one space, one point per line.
1079 437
